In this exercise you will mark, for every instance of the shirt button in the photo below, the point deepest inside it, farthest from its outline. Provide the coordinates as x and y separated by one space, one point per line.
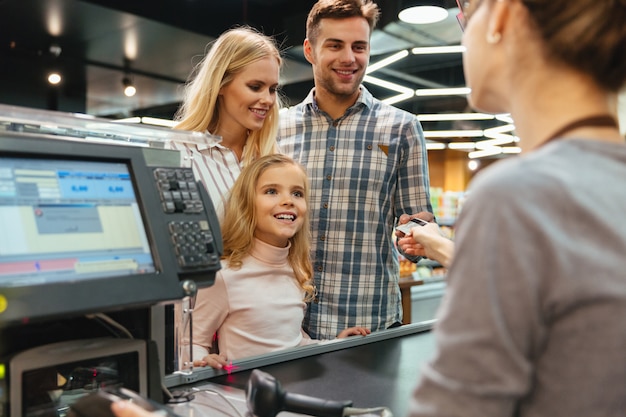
325 205
322 238
319 268
329 177
332 148
369 147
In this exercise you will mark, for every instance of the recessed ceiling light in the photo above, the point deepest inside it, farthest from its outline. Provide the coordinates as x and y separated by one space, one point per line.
424 14
129 87
54 78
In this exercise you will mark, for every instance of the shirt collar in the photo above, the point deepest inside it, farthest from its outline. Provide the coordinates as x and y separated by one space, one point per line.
209 141
365 99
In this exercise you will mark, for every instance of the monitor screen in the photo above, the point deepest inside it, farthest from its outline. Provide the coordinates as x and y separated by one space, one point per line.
69 220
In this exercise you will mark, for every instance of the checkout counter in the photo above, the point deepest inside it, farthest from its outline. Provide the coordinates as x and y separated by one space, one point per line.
378 370
75 318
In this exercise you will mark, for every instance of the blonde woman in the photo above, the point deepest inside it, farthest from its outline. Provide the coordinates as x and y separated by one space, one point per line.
259 297
232 93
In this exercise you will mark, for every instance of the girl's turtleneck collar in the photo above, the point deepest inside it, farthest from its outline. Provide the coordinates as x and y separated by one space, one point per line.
269 254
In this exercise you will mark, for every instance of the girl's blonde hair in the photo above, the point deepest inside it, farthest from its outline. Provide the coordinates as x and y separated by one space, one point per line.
240 221
228 55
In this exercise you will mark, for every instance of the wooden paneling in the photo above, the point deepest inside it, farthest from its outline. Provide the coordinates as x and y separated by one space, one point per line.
448 169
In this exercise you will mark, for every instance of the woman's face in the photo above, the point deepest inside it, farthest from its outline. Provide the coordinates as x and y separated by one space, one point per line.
482 60
245 102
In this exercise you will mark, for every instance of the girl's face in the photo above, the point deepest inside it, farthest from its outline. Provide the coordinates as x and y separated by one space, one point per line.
280 204
246 100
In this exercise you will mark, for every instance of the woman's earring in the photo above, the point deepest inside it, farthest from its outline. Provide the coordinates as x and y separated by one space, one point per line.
493 38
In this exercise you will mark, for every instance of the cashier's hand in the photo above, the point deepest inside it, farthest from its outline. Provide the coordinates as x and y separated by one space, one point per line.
213 360
420 240
128 409
424 215
428 241
353 331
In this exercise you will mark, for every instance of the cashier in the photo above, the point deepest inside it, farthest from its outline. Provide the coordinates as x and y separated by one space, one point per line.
532 322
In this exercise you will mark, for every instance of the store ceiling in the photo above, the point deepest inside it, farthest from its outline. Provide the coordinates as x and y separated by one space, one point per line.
173 35
163 39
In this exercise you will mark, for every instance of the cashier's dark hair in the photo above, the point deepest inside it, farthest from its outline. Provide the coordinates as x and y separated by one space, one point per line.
588 35
240 221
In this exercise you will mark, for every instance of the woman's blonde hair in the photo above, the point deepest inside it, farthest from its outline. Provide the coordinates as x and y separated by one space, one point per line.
229 54
240 222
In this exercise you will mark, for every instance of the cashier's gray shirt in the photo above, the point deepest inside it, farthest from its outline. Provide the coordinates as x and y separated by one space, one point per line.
533 322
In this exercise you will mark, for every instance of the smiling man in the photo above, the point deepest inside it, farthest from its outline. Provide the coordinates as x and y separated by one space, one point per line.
367 164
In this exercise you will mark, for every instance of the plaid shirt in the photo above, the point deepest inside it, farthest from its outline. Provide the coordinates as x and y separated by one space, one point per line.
366 169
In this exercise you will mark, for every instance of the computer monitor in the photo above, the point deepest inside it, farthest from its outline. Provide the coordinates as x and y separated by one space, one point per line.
69 220
89 227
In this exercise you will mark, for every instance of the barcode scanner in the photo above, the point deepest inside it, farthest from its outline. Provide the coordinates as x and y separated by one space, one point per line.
266 398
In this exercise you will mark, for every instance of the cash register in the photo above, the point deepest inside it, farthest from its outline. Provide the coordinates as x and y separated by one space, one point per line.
97 220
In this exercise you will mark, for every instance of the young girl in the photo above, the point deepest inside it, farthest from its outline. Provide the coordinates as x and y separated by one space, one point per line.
258 300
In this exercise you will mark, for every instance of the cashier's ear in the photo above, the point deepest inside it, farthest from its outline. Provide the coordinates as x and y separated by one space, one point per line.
498 19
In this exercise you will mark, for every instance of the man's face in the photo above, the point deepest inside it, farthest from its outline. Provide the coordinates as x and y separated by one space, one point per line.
340 55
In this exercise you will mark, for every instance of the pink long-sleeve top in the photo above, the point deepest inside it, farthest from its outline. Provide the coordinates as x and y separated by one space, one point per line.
254 310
